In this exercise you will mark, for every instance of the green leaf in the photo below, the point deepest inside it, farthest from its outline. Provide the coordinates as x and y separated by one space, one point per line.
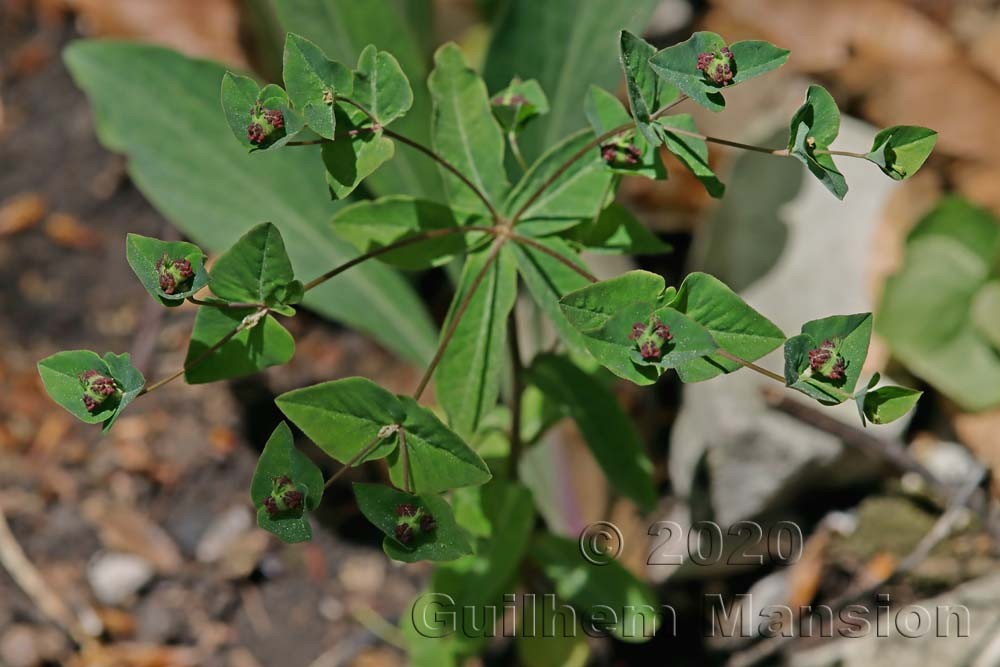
143 253
371 225
381 86
253 349
239 95
591 307
577 194
446 542
646 91
344 28
693 152
344 416
901 150
986 312
605 113
735 326
887 404
589 588
161 110
279 459
352 159
548 280
518 104
468 377
678 65
606 429
439 460
61 372
313 80
931 310
465 132
256 269
690 340
566 45
270 97
813 128
617 231
850 336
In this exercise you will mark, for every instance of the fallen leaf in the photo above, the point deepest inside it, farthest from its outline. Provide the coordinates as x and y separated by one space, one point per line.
21 212
66 230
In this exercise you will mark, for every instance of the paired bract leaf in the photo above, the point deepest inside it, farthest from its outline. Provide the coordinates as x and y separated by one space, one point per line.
813 128
243 102
445 542
901 150
837 341
282 469
692 151
145 255
646 91
627 153
884 404
617 231
986 312
733 324
260 343
344 416
518 104
465 132
313 82
63 375
606 429
380 86
353 158
371 225
256 269
678 65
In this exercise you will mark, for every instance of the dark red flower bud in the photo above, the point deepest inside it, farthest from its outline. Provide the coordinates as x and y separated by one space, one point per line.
256 134
818 358
293 499
717 66
824 360
649 350
173 273
183 267
837 372
275 118
663 331
406 509
404 533
427 523
271 505
638 329
97 388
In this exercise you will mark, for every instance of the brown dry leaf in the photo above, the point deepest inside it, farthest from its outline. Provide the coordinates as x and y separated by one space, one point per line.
21 212
959 103
878 568
122 528
67 230
129 654
806 574
193 27
980 432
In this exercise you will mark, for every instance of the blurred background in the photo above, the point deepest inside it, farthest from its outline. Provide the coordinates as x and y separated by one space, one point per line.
146 537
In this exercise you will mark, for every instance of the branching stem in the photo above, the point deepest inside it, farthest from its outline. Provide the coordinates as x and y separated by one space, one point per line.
365 451
517 391
528 241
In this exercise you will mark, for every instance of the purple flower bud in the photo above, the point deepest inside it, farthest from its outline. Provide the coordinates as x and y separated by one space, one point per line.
427 523
271 505
275 118
638 329
293 499
97 388
404 533
173 273
717 66
663 331
839 367
825 361
649 350
256 134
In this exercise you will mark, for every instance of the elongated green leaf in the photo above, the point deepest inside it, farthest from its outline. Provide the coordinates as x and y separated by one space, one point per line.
62 374
438 459
144 255
566 45
693 152
608 432
548 280
380 86
343 29
735 326
617 231
344 416
445 542
282 467
371 225
845 339
256 269
634 156
253 349
646 91
313 80
901 150
813 128
590 588
465 132
161 110
468 377
575 195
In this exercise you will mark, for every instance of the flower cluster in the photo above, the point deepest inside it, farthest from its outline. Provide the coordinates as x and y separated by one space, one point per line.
173 273
620 153
412 521
263 124
717 66
650 338
825 361
285 497
97 389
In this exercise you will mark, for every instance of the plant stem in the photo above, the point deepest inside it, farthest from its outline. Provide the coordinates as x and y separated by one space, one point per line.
528 241
826 151
752 366
311 142
224 304
515 150
365 451
406 461
517 391
416 238
781 152
447 165
201 357
459 312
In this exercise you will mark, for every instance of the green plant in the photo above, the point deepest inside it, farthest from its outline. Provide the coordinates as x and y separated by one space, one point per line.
529 231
